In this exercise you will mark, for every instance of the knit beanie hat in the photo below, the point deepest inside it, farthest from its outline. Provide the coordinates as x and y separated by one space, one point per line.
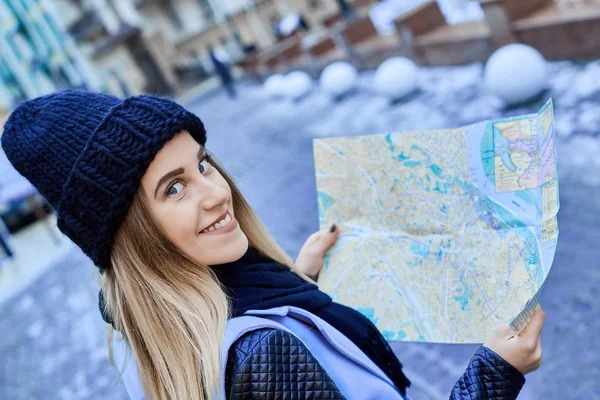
86 154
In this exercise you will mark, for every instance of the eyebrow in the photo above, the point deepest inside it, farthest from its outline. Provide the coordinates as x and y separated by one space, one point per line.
175 172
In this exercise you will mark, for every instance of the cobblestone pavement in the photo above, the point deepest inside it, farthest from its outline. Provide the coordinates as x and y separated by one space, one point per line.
52 344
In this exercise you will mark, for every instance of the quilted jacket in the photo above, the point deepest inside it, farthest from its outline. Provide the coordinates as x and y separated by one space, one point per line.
306 358
275 353
274 364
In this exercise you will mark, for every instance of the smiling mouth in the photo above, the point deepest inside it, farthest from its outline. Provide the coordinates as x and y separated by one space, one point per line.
220 223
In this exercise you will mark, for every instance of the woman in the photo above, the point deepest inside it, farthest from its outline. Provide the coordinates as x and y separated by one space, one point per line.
206 301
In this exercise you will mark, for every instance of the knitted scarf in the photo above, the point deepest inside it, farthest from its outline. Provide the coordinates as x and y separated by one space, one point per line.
256 282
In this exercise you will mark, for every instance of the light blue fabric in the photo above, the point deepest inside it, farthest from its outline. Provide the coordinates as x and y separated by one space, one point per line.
125 362
355 375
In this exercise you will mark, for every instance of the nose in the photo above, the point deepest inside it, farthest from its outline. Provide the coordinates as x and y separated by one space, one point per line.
211 194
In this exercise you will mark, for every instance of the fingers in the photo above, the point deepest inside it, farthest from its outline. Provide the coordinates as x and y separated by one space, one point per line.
536 323
315 237
329 237
538 354
320 242
505 332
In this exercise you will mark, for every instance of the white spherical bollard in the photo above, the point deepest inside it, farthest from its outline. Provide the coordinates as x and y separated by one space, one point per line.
274 86
516 73
338 78
396 77
297 84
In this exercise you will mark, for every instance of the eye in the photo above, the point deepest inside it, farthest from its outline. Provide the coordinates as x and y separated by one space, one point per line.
204 166
174 189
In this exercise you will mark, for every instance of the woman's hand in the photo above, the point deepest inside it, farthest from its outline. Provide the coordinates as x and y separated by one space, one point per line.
523 350
311 257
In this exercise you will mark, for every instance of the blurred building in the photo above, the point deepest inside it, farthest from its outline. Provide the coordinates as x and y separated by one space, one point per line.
141 46
131 46
163 45
36 56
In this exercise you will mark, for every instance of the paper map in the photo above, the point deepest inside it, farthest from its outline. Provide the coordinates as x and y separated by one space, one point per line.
445 235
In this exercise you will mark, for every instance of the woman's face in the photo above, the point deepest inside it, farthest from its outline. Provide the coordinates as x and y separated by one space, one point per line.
192 203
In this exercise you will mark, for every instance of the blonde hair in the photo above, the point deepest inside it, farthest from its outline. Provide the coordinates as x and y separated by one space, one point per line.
172 310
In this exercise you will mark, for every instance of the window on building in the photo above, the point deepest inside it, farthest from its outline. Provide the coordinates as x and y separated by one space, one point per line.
174 15
207 9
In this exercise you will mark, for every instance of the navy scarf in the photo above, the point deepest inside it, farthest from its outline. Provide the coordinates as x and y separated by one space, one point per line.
256 282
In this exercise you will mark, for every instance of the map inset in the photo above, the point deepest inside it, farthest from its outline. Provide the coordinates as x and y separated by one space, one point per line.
523 154
445 235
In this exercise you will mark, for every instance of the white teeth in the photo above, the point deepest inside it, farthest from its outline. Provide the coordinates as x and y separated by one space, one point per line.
224 222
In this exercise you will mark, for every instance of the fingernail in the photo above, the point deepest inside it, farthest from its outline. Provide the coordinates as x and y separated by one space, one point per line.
332 229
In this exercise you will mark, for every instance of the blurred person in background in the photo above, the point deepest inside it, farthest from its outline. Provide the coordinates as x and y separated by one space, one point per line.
193 285
222 69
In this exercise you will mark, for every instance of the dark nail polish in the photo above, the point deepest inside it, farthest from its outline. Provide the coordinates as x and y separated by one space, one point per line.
332 229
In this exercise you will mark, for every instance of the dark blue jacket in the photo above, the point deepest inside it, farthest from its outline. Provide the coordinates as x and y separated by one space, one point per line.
287 354
487 376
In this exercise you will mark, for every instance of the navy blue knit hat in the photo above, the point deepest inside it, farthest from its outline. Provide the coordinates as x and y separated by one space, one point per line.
86 154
